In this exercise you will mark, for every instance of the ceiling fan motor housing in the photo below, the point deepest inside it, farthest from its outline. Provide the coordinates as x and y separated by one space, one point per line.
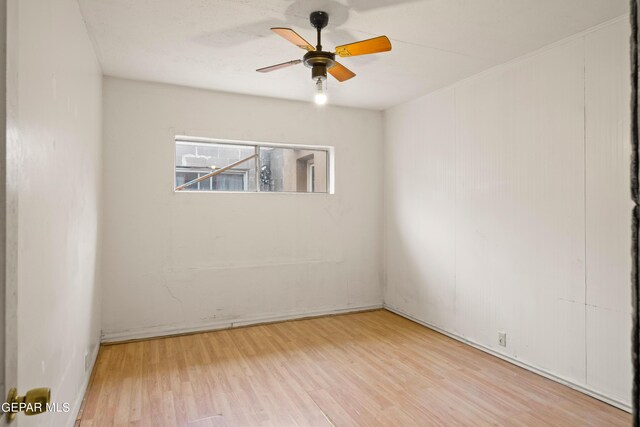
319 62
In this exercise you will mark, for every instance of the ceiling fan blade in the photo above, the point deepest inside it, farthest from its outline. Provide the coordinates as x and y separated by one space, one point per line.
340 72
365 47
279 66
294 38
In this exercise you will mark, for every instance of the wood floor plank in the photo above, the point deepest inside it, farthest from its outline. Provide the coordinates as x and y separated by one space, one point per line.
372 368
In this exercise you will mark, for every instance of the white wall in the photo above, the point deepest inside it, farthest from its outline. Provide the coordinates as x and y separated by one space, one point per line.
507 209
54 185
3 198
188 261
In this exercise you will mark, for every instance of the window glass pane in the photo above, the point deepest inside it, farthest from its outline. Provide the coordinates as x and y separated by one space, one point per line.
184 176
293 170
204 185
230 182
195 160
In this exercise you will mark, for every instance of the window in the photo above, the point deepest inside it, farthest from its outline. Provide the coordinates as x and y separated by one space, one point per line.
215 165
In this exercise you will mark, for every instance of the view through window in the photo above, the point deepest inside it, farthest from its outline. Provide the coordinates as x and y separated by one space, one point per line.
214 165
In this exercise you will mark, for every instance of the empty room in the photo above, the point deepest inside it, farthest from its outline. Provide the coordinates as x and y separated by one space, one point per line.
319 213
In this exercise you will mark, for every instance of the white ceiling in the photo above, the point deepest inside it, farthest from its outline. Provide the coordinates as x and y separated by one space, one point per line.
218 44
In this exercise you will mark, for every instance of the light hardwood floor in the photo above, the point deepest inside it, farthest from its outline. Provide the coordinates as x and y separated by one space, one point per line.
372 368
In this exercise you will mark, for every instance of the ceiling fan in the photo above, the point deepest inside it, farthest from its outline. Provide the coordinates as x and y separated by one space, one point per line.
321 61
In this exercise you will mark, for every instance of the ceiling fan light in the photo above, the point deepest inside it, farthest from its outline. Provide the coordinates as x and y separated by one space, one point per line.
321 91
320 98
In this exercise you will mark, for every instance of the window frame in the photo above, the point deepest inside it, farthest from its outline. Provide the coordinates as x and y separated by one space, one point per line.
256 146
311 176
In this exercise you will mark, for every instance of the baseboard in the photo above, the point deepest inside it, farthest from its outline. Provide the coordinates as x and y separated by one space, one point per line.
593 393
163 331
78 405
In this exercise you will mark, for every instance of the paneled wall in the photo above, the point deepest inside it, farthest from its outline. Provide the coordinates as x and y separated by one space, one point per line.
607 154
175 262
507 209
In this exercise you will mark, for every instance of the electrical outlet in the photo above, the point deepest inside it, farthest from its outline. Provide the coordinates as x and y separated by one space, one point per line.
502 338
